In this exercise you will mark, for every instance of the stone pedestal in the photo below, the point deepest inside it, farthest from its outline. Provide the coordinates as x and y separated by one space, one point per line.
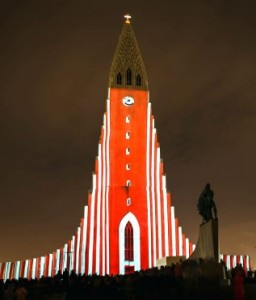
169 260
207 246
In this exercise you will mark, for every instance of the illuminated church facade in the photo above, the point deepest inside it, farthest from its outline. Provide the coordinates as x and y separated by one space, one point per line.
129 221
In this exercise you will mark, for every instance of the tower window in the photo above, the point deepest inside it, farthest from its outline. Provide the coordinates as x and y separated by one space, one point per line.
128 182
119 78
128 201
128 242
128 167
127 151
128 77
127 135
138 80
127 119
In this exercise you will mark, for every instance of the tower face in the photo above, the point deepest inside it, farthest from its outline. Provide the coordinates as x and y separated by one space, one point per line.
128 144
128 180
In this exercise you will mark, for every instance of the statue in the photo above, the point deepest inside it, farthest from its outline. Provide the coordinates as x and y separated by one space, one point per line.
206 204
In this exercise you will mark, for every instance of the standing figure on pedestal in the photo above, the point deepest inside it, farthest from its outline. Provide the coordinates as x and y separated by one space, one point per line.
206 205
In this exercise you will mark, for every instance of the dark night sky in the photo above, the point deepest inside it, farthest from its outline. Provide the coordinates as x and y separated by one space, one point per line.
54 62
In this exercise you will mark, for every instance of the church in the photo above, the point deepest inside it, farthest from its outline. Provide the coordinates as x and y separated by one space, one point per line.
129 222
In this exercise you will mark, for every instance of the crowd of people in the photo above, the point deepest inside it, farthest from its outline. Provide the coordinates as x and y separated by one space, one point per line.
185 280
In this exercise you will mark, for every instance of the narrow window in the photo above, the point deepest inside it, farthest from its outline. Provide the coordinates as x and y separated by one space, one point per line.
127 151
127 135
128 77
128 167
119 78
128 242
128 201
127 119
138 80
128 183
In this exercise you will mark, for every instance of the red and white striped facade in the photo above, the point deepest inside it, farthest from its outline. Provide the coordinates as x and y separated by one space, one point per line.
129 221
232 261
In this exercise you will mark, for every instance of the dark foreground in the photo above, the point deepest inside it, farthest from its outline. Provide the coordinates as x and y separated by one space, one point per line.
179 282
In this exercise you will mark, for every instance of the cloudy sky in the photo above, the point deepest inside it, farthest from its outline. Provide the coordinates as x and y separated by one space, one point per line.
55 56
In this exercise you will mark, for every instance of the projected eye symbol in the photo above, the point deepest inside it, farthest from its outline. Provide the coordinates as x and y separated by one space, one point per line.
128 101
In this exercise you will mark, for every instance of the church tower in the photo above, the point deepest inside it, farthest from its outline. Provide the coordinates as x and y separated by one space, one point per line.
131 222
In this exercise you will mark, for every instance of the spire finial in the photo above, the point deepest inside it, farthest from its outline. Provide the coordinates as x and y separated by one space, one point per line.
127 17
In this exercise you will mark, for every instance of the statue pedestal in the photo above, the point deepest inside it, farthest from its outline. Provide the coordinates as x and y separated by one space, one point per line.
169 260
207 246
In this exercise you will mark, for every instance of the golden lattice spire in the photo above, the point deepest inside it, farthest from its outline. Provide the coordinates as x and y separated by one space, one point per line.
127 69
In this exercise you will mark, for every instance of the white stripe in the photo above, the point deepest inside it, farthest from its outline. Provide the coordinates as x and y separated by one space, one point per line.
108 138
82 262
78 249
90 260
84 241
33 268
228 262
173 231
50 265
247 262
8 273
107 232
148 187
234 261
187 248
17 270
4 271
108 184
57 267
98 235
103 251
65 257
159 215
25 274
166 225
42 264
98 216
7 269
85 230
153 192
72 254
241 260
180 240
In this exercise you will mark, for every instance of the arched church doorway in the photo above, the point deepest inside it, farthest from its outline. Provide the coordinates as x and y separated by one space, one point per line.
129 244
